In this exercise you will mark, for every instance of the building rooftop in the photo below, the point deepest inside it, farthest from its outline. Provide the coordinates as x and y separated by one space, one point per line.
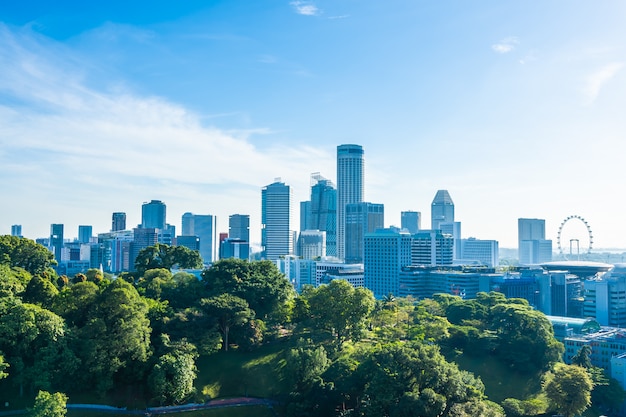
580 268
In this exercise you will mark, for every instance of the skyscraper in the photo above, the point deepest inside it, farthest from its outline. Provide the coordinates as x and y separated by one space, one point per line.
56 240
118 222
350 174
442 209
16 230
276 234
239 227
84 234
361 218
153 215
323 211
202 226
411 221
533 248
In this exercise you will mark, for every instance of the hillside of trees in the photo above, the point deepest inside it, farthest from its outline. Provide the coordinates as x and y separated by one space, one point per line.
138 338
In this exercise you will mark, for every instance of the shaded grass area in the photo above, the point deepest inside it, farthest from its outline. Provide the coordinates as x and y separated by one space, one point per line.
500 381
233 374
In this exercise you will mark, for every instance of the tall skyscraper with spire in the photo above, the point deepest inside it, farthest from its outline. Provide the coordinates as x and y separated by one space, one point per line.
442 209
276 234
350 174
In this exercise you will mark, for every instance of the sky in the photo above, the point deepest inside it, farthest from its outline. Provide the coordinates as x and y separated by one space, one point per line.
517 108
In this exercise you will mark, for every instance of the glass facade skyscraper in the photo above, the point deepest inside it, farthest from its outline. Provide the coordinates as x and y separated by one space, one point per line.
118 221
442 209
153 215
323 211
276 234
350 174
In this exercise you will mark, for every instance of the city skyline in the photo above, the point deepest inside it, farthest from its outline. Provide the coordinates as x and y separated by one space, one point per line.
515 109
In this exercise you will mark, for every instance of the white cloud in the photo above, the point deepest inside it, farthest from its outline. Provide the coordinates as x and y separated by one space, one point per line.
596 81
306 8
506 45
60 137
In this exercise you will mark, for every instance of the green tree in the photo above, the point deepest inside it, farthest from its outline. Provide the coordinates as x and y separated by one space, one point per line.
568 388
25 253
40 291
305 365
260 283
228 311
13 281
116 333
171 379
94 275
49 405
340 309
165 256
525 337
34 343
3 368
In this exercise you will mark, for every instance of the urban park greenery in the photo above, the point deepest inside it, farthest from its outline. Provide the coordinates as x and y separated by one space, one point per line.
158 337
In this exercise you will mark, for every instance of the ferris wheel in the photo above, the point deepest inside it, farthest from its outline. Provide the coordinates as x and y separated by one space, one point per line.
575 240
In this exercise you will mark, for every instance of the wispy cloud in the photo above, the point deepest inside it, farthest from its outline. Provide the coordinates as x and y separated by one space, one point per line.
59 133
596 81
506 45
306 8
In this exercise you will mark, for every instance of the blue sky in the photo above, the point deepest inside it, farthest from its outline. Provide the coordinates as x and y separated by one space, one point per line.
516 108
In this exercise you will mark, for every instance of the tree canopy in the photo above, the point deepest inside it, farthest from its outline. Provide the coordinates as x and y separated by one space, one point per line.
25 253
165 256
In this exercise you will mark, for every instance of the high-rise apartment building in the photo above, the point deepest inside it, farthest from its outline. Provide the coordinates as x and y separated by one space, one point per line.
153 215
85 233
16 230
350 185
276 234
56 241
361 218
411 221
533 247
442 209
118 222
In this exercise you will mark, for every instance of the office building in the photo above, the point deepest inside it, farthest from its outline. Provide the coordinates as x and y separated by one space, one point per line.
411 221
453 229
239 227
533 247
431 247
85 233
485 252
350 185
234 248
276 234
323 211
118 221
203 226
142 238
305 215
56 241
386 252
424 281
311 244
360 219
605 297
187 224
441 209
16 230
190 242
153 215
